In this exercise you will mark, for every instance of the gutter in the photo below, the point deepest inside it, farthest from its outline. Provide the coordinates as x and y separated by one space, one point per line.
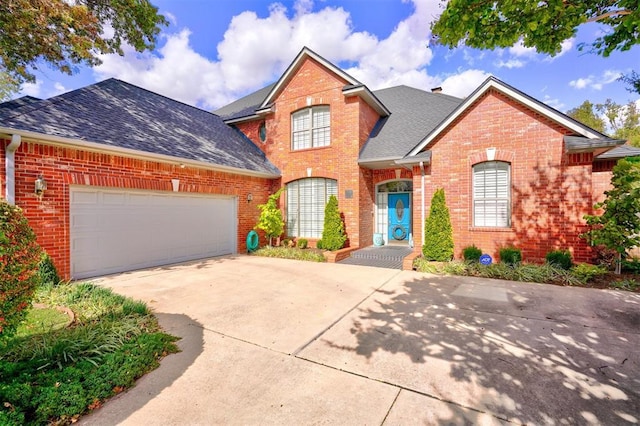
128 152
10 168
422 212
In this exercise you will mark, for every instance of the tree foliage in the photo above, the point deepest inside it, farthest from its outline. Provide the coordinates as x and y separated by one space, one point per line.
622 121
618 227
333 234
544 25
20 256
586 114
66 33
438 233
270 220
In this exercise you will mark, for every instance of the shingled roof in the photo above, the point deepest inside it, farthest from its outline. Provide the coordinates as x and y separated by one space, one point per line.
414 114
119 114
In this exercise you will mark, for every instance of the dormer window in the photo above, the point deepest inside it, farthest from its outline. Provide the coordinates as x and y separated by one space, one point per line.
311 128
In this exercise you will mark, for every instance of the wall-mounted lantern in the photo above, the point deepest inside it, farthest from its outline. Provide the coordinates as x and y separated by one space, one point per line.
40 185
249 198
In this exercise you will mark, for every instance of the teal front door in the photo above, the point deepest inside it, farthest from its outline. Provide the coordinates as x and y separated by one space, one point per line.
399 217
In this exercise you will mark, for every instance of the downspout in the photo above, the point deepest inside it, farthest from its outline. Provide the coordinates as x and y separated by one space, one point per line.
422 200
10 169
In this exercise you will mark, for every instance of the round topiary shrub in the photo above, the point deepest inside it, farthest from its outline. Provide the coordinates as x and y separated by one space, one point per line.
20 257
471 253
560 258
510 255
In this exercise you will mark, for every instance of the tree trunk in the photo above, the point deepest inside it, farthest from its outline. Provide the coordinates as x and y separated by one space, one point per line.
619 263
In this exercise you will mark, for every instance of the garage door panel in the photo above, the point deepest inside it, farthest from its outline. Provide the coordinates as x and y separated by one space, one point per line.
115 230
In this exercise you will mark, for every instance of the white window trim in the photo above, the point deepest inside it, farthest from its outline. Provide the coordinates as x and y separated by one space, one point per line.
310 130
315 220
496 199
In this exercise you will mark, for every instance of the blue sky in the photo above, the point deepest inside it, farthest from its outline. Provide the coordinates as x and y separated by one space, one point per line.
216 51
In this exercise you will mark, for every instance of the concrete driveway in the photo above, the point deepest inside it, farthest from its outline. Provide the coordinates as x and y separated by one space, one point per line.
270 341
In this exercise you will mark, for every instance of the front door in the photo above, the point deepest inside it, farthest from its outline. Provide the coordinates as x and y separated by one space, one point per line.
399 217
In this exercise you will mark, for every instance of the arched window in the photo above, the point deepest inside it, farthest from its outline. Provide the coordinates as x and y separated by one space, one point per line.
311 128
306 200
492 194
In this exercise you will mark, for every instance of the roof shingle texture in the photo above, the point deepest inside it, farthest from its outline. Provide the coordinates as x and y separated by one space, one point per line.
414 114
120 114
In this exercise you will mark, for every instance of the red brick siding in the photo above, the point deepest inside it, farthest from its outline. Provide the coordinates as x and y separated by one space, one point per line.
351 123
551 191
62 167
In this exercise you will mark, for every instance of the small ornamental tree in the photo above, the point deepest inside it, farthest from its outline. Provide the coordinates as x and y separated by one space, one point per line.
333 235
618 228
438 234
270 220
20 256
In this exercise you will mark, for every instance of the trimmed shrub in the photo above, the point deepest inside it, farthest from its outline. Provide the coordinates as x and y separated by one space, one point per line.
438 234
510 255
560 258
47 271
20 256
333 235
303 243
471 253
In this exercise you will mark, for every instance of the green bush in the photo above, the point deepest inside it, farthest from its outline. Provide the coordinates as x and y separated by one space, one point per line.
271 221
53 377
560 258
632 265
438 234
47 271
20 256
303 243
627 284
333 235
585 272
471 253
510 255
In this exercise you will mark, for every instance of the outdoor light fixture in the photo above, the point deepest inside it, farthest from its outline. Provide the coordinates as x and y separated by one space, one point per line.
40 186
249 198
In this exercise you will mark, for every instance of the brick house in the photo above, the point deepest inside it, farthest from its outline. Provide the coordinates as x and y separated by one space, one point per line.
135 179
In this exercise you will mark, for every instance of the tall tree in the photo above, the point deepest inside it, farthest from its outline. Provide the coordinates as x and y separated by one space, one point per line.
586 114
8 87
623 120
65 33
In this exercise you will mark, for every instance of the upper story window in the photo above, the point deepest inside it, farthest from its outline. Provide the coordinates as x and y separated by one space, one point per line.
311 128
492 194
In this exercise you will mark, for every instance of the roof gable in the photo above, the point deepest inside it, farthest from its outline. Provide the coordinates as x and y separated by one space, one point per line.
114 115
294 67
493 83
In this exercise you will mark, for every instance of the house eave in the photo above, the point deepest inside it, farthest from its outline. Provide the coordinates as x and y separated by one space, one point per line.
128 152
368 96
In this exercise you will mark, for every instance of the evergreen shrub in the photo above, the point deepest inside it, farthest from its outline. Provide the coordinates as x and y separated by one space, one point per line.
333 235
438 234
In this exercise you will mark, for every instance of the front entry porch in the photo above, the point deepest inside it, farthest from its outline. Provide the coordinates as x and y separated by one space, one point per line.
388 256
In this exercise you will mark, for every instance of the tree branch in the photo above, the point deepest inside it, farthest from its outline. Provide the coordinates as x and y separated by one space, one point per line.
609 14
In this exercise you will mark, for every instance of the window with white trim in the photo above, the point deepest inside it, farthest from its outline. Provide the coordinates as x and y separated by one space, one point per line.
492 194
311 128
306 201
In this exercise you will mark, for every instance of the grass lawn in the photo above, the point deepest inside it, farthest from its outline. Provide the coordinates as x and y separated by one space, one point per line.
53 373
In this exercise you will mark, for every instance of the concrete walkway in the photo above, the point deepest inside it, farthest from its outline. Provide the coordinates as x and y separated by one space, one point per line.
270 341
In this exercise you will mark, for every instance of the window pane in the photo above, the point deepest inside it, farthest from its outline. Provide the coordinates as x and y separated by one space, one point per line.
311 128
306 201
491 194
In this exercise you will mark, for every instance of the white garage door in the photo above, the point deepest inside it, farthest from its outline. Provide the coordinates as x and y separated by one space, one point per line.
117 230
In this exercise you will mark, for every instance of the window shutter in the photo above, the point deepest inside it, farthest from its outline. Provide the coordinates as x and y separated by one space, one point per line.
491 194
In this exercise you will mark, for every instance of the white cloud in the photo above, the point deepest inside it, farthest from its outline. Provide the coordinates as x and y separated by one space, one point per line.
58 89
256 50
553 102
511 63
596 83
31 89
581 83
464 83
